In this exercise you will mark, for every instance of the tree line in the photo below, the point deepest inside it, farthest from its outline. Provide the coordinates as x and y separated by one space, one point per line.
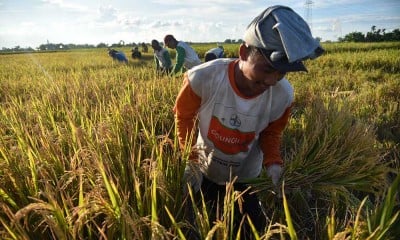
61 46
375 35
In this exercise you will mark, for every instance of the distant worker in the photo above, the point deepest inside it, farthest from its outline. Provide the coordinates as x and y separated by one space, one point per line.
117 55
144 48
214 53
186 56
162 58
136 53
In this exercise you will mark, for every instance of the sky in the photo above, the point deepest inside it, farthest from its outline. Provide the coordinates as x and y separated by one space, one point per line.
29 23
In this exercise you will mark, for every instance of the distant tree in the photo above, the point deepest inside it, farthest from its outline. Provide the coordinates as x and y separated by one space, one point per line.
116 45
233 41
353 37
396 34
375 35
101 45
17 49
61 46
42 47
393 36
132 44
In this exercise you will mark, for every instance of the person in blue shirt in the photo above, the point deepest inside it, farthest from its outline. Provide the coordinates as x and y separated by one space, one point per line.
117 55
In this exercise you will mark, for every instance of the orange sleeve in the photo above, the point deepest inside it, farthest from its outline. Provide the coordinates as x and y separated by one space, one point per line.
186 108
270 140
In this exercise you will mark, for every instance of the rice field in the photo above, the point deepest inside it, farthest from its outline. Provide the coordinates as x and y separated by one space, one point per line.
88 149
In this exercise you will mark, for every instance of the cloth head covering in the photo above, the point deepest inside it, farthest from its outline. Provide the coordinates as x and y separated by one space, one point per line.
284 37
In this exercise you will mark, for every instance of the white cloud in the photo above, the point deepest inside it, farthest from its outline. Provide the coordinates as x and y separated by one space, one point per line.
189 20
66 5
160 24
107 14
334 3
204 3
130 22
27 24
322 29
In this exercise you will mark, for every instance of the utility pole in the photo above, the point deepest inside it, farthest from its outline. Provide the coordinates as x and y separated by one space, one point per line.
309 4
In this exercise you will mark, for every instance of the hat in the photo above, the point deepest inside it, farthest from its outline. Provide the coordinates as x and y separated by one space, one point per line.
279 61
283 37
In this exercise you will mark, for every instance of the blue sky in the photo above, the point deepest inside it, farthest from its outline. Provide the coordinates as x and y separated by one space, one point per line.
34 22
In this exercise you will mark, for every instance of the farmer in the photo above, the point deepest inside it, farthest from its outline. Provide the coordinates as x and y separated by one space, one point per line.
144 47
238 108
162 58
214 53
136 53
186 57
117 55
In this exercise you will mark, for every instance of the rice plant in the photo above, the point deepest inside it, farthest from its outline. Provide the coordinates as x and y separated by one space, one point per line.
88 150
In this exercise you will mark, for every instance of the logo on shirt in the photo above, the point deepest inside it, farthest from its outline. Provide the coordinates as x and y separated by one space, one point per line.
235 121
228 140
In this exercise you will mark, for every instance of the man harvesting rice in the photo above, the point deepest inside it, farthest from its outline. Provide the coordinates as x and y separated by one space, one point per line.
238 109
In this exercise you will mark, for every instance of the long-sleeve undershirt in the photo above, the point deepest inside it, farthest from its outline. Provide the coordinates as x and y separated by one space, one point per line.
186 109
180 59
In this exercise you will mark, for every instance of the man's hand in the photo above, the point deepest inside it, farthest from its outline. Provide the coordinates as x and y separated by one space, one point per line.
192 177
274 172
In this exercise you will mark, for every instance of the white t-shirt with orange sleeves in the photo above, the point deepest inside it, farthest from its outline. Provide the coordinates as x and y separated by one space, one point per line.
230 124
191 57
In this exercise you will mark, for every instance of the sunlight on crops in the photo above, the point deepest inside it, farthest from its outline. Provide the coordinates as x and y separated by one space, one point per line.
88 149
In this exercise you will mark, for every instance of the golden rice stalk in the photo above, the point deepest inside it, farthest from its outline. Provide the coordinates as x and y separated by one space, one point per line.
332 154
